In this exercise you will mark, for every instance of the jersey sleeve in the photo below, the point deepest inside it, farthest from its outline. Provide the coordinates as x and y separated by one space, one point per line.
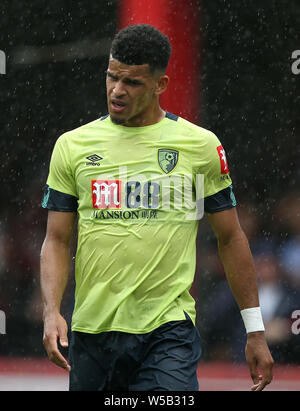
60 191
218 191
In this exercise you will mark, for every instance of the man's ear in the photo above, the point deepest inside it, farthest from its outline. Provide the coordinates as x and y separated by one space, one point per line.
161 84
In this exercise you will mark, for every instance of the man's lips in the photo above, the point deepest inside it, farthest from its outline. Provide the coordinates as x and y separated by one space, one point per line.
117 106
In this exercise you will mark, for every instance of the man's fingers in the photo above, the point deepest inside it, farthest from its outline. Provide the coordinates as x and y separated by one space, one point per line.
257 383
261 385
260 381
54 354
57 358
253 371
63 337
63 342
266 377
259 358
56 329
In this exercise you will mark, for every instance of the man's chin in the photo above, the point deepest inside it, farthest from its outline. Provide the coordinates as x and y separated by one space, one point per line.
117 120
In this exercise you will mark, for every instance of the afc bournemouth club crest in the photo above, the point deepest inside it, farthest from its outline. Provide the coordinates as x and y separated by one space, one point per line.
167 159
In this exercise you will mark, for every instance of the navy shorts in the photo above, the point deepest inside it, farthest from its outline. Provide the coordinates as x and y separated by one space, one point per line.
165 359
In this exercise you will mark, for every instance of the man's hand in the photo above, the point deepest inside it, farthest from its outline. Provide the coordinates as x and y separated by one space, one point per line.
55 327
258 358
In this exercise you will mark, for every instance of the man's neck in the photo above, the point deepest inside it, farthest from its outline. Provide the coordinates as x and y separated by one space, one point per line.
155 117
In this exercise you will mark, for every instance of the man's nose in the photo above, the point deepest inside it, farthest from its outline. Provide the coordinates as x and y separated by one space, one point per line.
119 89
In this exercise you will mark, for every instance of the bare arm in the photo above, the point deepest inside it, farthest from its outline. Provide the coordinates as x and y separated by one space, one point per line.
236 257
55 263
238 263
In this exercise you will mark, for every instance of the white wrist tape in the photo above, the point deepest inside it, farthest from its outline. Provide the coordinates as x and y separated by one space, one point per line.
252 319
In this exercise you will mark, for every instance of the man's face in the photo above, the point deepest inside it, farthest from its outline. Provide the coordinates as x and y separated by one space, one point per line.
131 93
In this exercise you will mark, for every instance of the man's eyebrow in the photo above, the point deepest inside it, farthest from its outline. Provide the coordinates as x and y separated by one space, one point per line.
107 72
126 79
133 81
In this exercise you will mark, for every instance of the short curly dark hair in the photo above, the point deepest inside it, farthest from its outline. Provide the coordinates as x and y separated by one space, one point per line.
142 44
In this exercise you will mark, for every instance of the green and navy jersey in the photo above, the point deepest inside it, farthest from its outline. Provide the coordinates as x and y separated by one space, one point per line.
135 192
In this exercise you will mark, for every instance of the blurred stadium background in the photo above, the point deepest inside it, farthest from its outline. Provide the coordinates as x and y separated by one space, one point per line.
231 73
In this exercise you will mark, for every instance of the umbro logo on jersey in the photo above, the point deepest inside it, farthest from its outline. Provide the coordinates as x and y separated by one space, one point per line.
94 160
